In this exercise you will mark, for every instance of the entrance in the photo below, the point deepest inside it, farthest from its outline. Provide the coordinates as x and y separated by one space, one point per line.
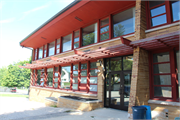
118 82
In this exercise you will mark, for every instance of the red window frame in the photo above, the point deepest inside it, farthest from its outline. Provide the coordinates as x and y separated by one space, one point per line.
75 77
173 67
58 73
32 77
100 27
93 92
168 13
57 50
84 87
73 38
70 77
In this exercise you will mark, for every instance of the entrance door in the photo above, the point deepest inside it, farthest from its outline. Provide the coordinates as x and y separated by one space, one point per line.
119 90
118 82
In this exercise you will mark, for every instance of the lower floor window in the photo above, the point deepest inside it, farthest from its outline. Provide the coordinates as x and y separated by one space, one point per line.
75 77
164 78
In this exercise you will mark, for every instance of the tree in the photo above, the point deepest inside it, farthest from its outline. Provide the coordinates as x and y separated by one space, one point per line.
15 76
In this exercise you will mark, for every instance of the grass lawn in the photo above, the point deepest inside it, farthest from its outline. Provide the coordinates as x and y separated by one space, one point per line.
13 95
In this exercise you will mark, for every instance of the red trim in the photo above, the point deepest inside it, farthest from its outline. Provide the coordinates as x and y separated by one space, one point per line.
71 77
88 77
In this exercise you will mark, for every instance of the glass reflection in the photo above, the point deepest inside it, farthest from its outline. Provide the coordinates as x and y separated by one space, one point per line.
65 77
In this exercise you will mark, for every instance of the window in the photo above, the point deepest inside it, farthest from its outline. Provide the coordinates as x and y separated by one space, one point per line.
58 46
66 43
65 77
51 48
83 81
163 69
175 10
49 82
75 77
124 22
35 54
45 51
40 77
56 77
40 55
76 39
93 77
89 35
163 12
104 29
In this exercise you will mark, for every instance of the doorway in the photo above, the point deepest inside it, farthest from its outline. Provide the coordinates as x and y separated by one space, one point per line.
118 81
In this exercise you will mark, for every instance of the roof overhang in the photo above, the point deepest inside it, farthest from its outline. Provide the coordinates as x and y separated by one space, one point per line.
79 56
169 40
76 15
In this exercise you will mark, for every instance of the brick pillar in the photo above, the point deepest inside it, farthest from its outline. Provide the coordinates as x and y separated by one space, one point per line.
139 94
100 92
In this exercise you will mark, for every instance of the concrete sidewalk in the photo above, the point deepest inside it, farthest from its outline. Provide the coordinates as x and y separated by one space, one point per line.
12 108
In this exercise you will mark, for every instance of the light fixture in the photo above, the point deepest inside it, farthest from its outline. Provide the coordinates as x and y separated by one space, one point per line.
98 63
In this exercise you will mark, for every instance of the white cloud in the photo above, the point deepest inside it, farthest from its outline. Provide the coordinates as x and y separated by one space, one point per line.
7 20
33 10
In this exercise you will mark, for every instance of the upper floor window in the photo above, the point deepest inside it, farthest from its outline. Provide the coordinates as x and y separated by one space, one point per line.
104 29
76 39
58 46
124 22
40 55
163 12
51 48
35 54
89 35
44 51
66 43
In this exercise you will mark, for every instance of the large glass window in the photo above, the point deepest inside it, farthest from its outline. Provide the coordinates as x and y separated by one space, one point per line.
162 75
40 55
35 54
56 77
89 35
124 22
65 77
49 82
51 48
66 43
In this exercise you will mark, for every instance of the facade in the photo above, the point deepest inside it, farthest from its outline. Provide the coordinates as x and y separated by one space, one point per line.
123 53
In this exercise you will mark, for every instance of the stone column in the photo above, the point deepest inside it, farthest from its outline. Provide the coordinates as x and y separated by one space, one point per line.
139 94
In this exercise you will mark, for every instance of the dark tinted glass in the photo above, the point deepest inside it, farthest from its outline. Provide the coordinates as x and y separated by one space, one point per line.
115 64
93 65
163 91
105 21
161 57
162 68
83 72
104 29
154 3
127 62
93 73
162 80
84 66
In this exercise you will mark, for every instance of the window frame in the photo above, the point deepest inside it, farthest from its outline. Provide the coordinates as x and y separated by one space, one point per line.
173 66
169 15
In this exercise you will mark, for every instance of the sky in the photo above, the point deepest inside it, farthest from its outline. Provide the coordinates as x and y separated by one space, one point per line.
19 18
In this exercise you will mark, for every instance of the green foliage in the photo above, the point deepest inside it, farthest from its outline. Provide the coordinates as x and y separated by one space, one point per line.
118 30
88 39
13 76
